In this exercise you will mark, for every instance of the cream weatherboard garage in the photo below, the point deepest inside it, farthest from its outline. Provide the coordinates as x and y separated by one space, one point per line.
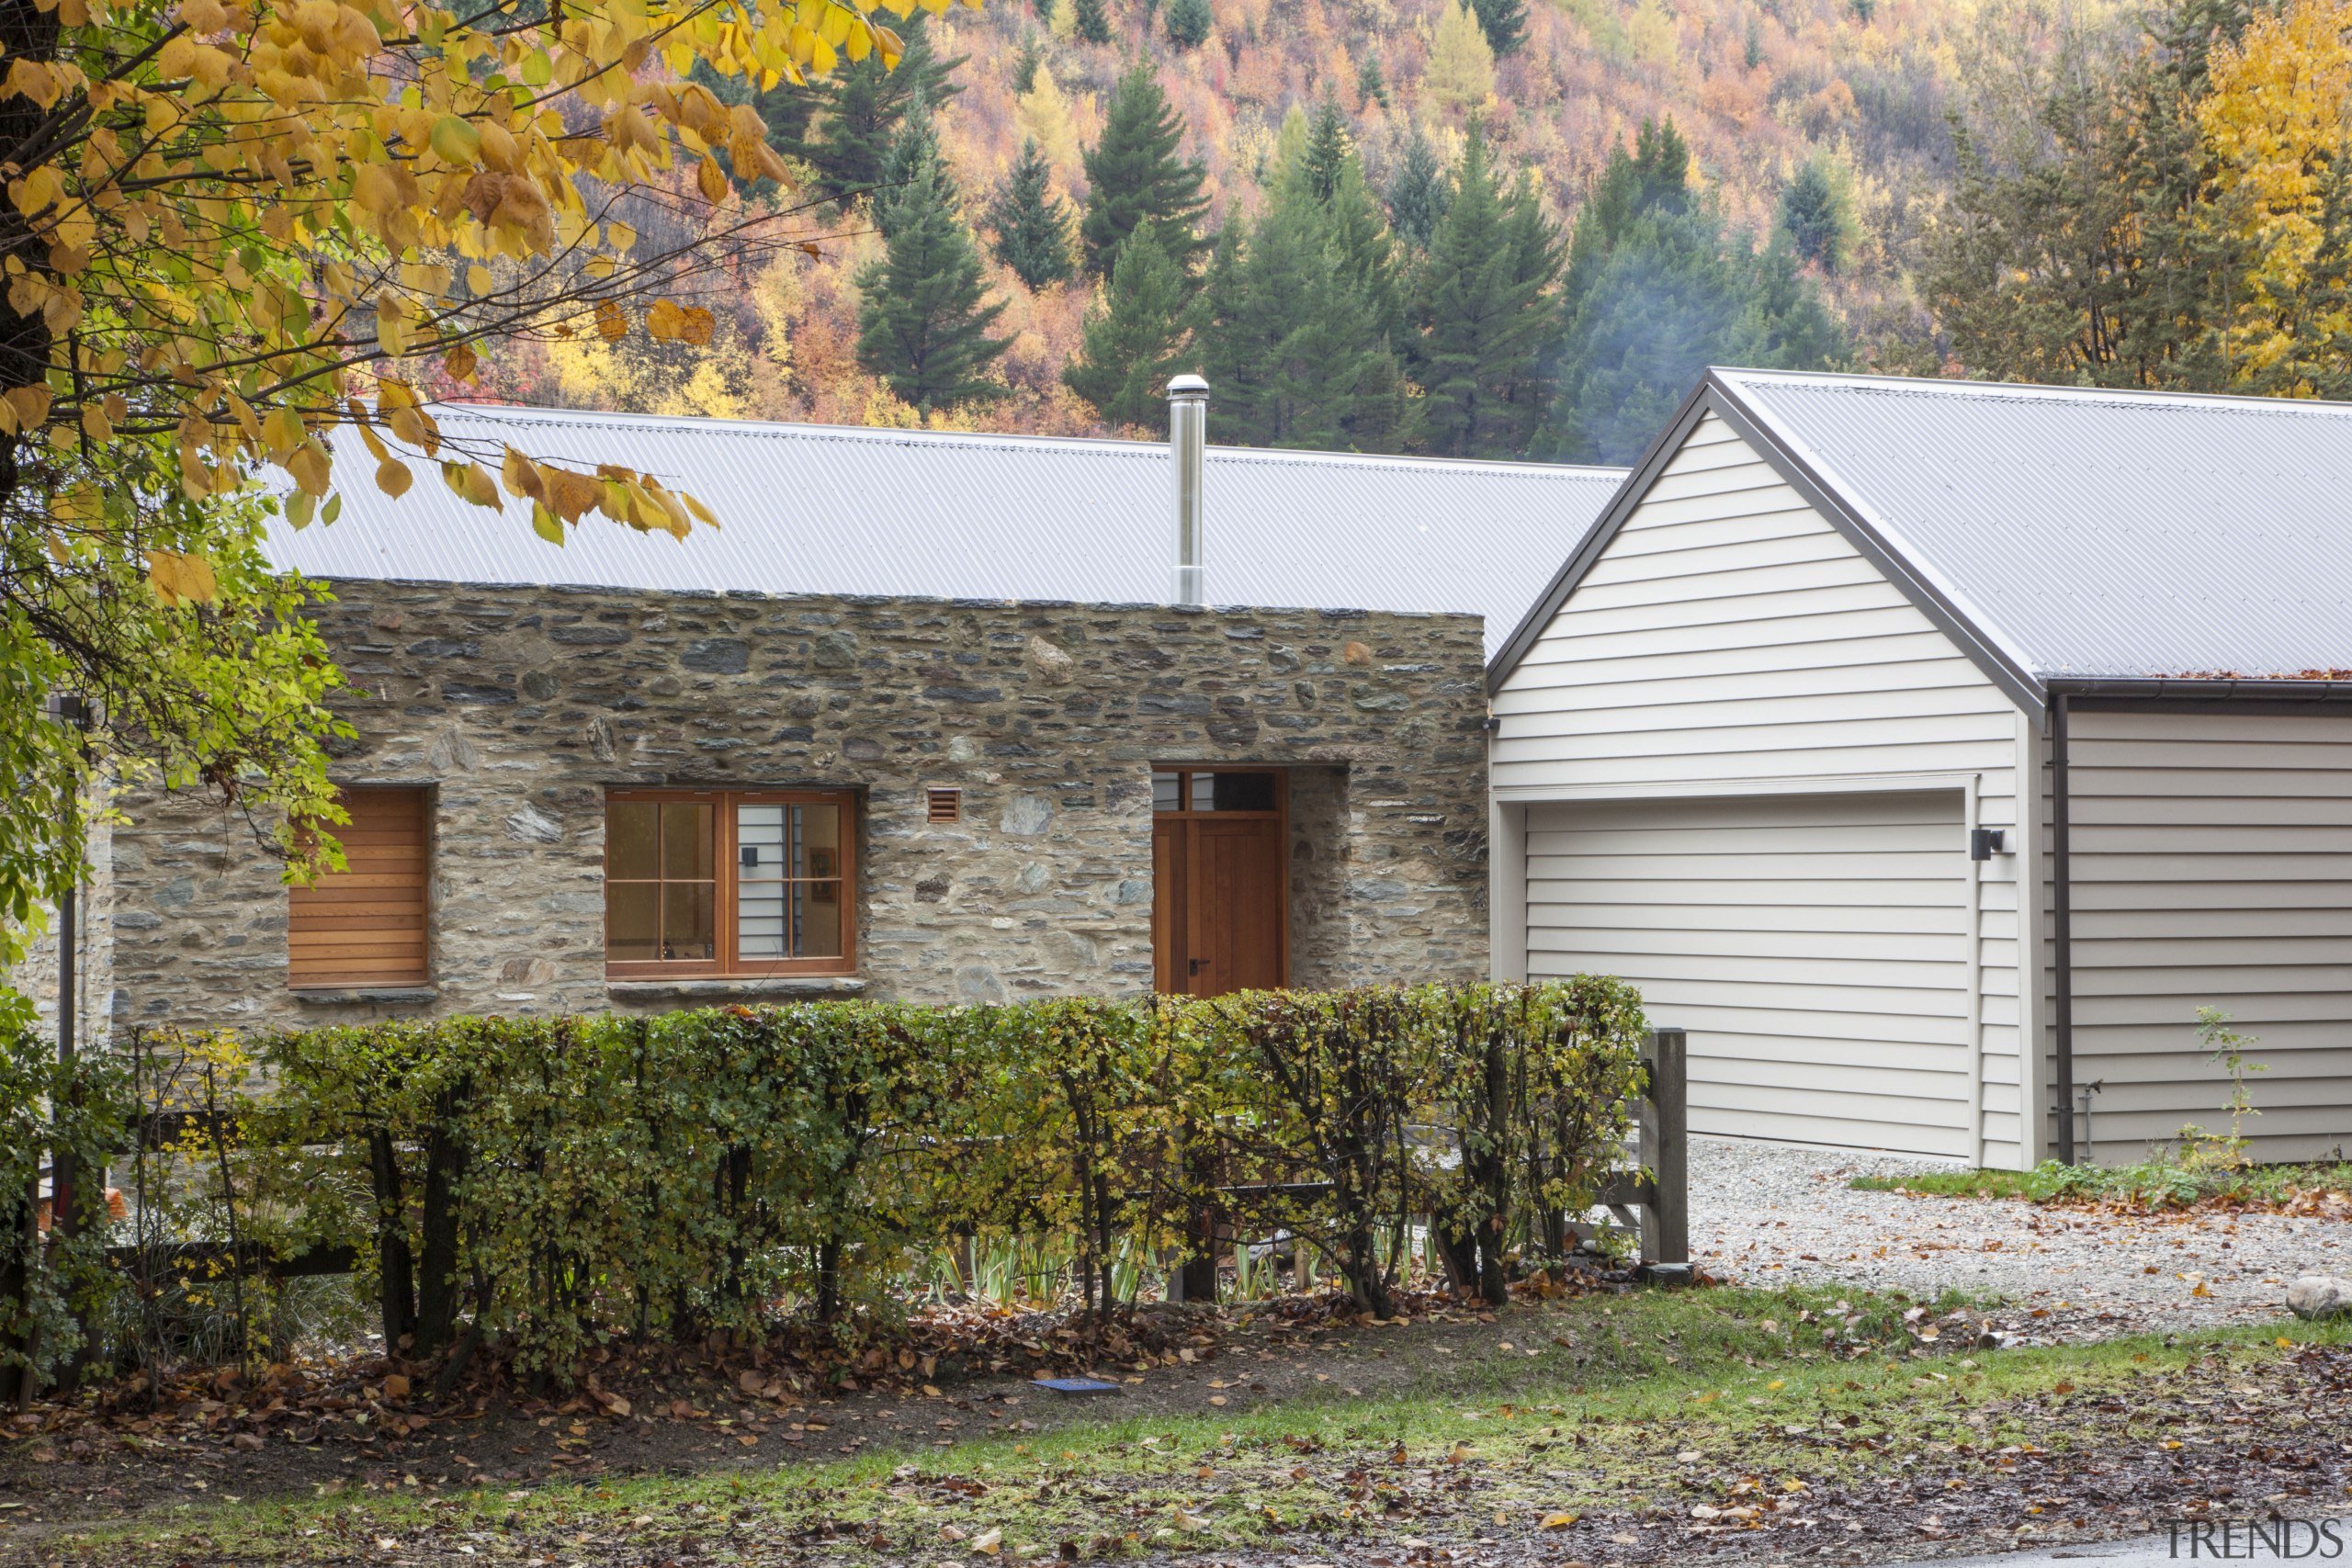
1850 662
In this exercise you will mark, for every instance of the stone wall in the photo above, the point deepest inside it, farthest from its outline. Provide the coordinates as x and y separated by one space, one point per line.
520 706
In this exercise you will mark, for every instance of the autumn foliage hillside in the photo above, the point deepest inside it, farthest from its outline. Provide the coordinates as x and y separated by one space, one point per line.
1857 91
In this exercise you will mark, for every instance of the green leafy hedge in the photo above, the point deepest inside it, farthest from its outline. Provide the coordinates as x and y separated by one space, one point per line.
550 1182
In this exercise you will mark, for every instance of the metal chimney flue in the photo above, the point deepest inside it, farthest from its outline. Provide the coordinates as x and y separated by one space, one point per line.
1188 423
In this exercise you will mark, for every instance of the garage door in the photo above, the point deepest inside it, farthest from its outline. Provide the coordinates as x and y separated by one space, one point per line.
1815 946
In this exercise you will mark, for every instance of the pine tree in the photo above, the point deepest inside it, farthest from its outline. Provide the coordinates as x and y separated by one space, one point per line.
1188 23
1296 342
914 149
923 321
1416 198
861 107
1031 224
1137 335
1483 314
1092 21
1505 22
1135 176
1372 87
1327 149
1024 67
1658 287
1817 215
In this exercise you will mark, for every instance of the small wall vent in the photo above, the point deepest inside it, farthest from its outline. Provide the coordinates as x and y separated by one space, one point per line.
945 804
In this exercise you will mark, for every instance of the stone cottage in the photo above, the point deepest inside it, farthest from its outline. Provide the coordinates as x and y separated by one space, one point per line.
916 723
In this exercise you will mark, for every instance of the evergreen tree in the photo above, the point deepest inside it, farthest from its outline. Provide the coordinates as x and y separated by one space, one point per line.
1483 314
1505 22
1092 21
1137 335
923 323
1657 288
1417 196
914 149
1031 224
1817 215
1372 87
1135 176
1300 314
1188 23
1751 54
845 131
1327 149
1024 67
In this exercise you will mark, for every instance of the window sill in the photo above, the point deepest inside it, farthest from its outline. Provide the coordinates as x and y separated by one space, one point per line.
365 995
744 988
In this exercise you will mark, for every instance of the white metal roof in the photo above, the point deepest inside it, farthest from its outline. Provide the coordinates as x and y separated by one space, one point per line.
820 509
2096 533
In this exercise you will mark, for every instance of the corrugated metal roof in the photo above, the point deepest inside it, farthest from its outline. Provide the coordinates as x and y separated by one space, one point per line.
820 509
2096 533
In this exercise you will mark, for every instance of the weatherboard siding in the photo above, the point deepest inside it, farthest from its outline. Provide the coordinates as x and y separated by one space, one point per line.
1730 642
2211 865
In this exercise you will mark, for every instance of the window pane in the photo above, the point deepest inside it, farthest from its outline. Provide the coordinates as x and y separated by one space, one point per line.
686 839
632 839
688 932
633 921
816 840
1234 792
759 892
1164 793
816 919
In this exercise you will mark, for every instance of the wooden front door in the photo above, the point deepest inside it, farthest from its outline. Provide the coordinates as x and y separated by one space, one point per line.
1220 910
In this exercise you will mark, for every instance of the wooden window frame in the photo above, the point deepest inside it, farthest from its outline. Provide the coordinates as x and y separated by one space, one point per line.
729 965
301 905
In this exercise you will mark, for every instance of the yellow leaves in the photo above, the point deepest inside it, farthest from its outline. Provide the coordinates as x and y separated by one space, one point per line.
461 362
24 408
392 478
620 236
31 79
181 579
672 322
611 326
711 180
391 324
472 483
1560 1521
312 466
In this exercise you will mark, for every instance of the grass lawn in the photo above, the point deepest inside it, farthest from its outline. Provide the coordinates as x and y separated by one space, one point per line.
2160 1183
1643 1427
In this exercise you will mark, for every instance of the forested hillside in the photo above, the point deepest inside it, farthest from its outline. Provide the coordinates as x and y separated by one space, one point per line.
1511 229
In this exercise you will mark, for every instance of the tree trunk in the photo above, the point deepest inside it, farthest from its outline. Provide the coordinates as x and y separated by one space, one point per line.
444 1163
398 1289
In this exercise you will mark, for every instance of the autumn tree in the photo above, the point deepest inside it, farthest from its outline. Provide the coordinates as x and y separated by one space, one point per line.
1136 176
239 239
1032 223
2080 244
923 318
1461 72
1137 335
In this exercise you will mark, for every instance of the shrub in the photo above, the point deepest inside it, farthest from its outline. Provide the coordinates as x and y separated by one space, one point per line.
543 1184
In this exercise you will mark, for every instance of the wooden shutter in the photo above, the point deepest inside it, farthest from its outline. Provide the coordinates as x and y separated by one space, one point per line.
366 926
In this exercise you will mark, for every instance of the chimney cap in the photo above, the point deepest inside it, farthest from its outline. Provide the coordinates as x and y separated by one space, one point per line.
1188 386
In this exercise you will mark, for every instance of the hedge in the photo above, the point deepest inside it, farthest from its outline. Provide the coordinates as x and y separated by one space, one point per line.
545 1184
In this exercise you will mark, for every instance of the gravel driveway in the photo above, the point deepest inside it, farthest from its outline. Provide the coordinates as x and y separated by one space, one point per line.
1761 1215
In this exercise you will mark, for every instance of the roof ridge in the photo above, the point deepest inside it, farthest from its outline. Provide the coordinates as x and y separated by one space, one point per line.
2043 391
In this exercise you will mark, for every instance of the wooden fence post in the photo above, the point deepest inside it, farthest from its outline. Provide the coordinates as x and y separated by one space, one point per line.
1666 1145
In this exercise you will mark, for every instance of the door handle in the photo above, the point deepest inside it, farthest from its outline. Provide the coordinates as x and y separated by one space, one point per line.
1196 964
